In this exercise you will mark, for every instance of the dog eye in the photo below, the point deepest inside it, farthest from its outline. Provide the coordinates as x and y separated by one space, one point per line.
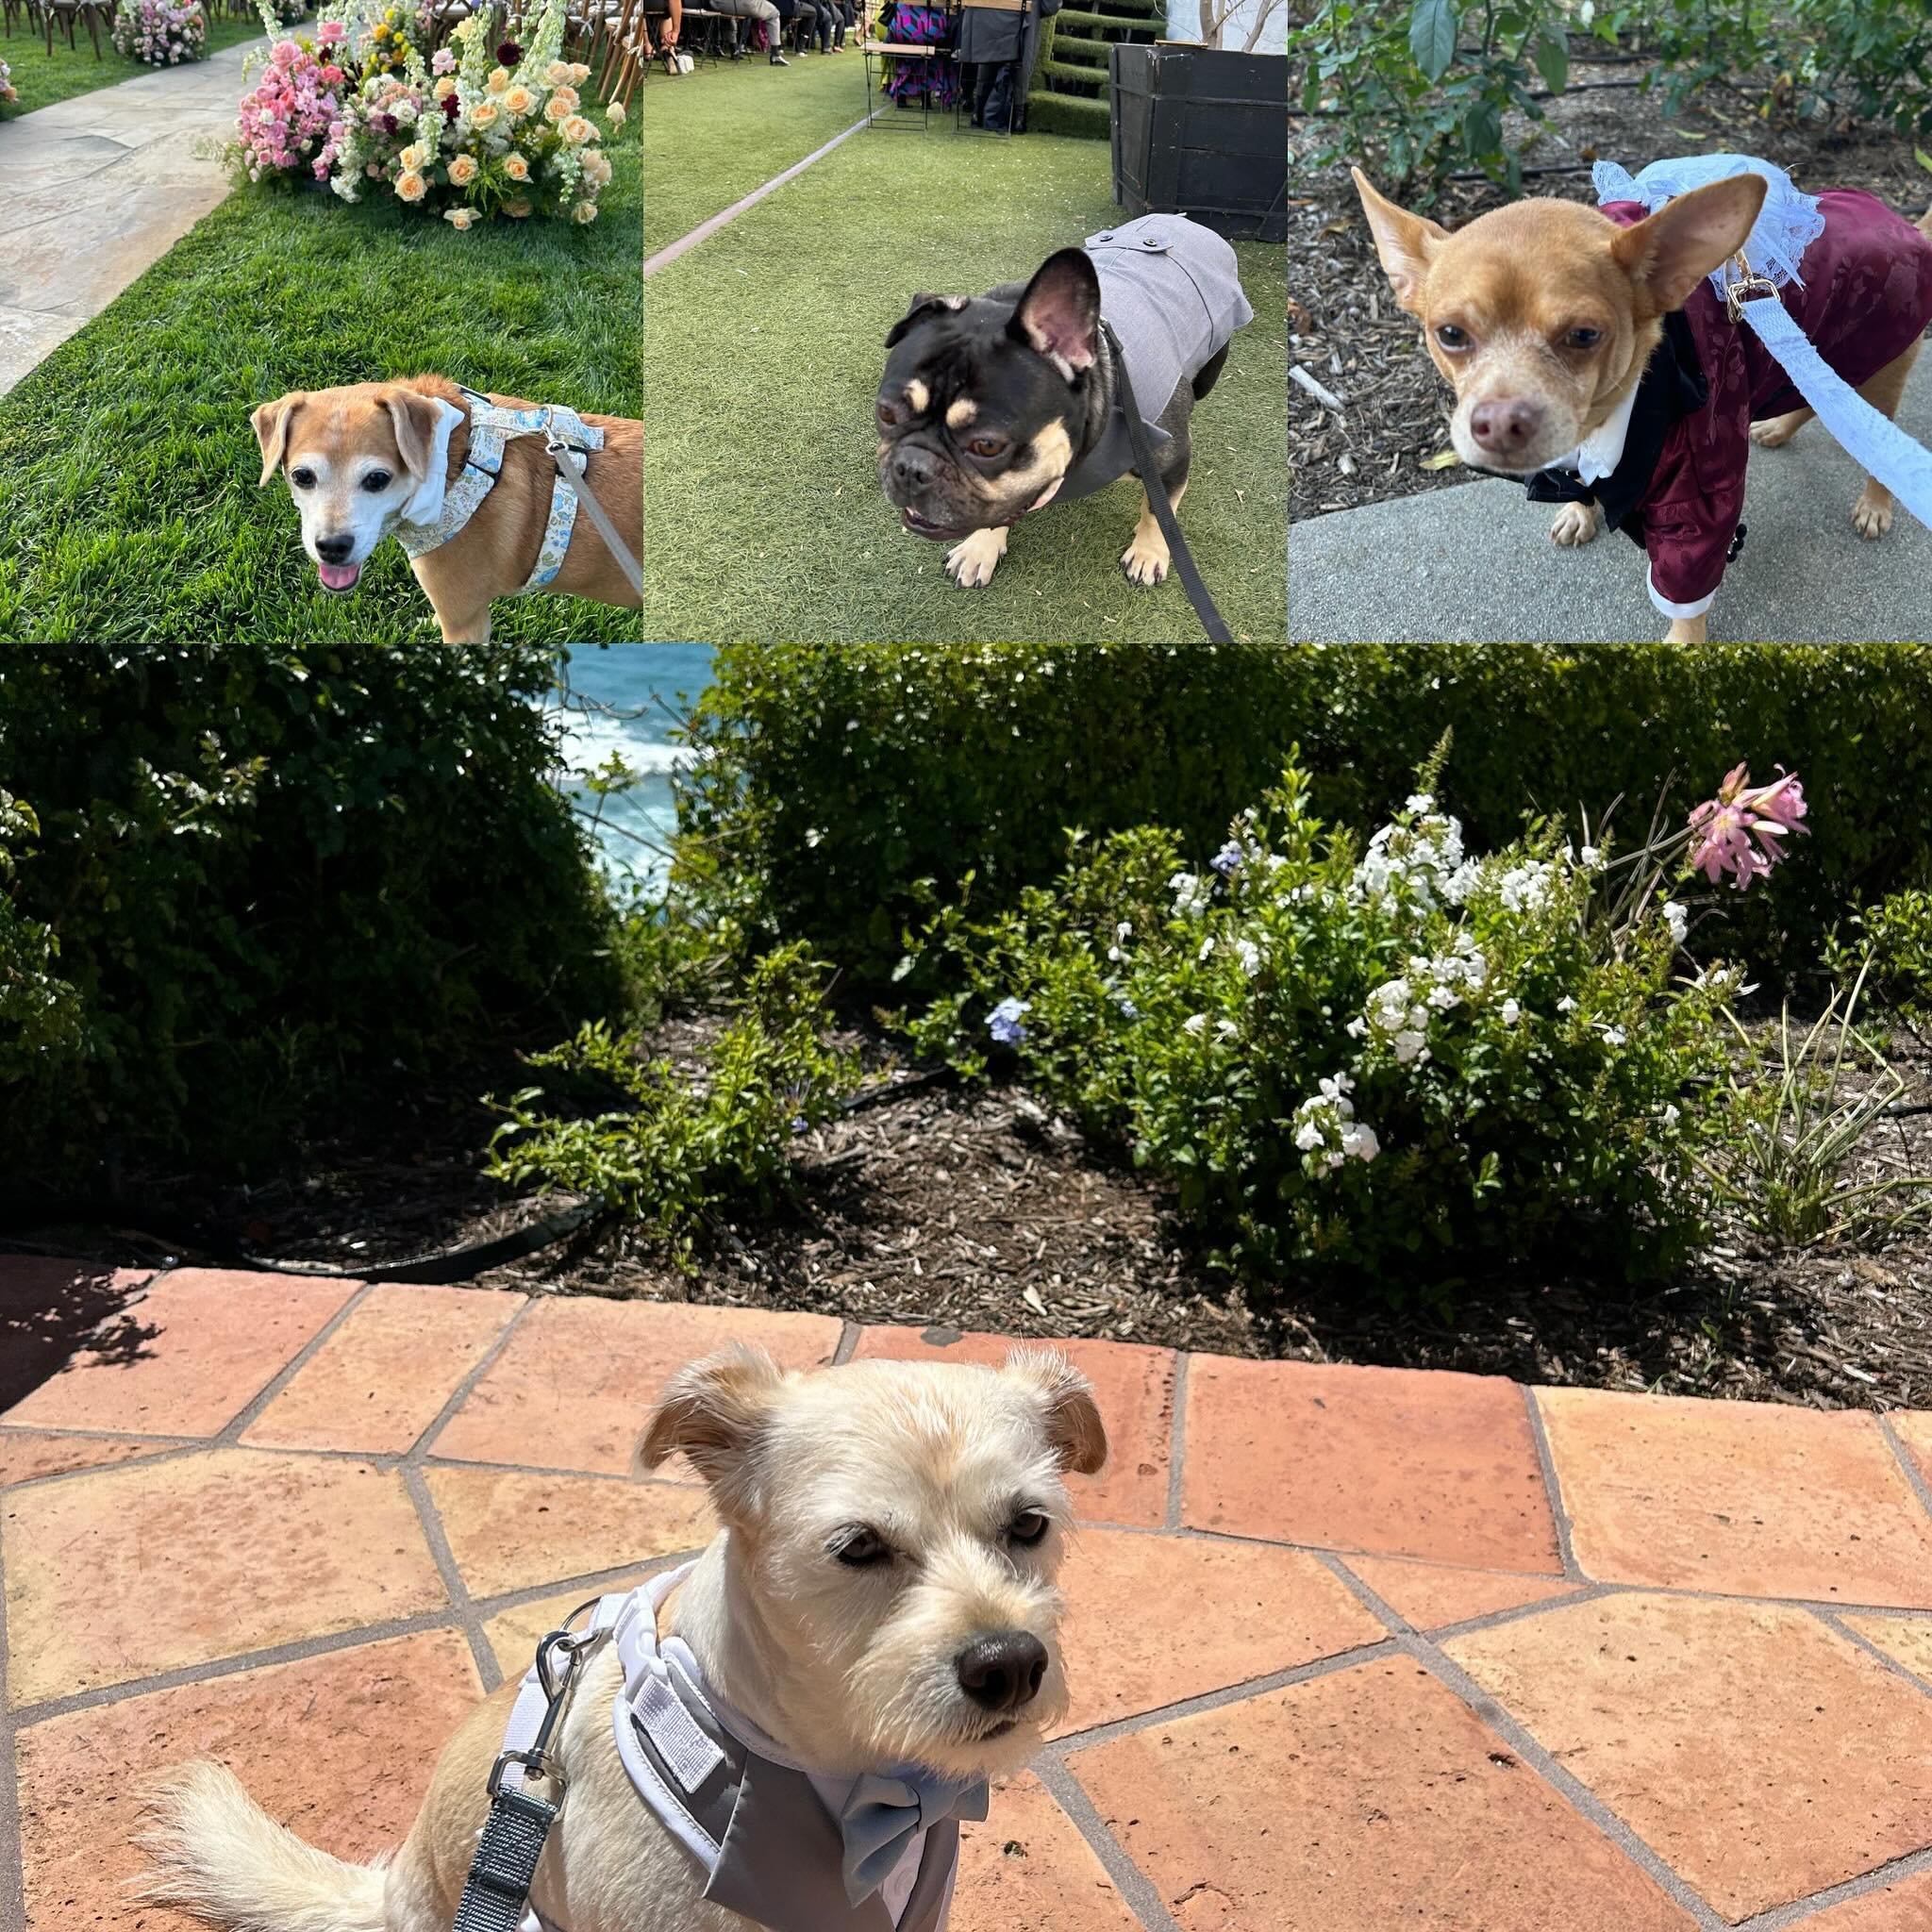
1029 1528
860 1548
988 446
1451 336
1585 337
889 416
377 481
303 478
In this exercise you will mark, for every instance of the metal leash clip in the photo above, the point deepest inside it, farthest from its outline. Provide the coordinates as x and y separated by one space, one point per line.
1747 285
535 1758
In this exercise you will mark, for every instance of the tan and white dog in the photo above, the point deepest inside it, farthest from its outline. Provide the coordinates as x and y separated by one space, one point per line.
363 459
882 1592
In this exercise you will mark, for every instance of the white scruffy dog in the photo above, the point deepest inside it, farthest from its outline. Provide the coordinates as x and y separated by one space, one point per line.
881 1595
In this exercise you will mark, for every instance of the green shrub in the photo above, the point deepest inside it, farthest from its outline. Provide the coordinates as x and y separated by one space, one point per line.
838 777
1398 1062
681 1141
278 874
39 1015
1895 934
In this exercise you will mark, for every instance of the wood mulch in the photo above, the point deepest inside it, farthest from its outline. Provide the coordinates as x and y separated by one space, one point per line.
1346 332
937 1206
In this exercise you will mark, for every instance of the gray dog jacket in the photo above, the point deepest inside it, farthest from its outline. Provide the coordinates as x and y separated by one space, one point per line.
771 1840
1170 289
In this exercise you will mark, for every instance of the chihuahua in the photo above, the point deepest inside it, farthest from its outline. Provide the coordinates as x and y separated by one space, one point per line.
1591 357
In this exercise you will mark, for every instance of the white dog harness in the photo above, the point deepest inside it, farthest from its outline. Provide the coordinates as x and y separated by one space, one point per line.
780 1845
491 427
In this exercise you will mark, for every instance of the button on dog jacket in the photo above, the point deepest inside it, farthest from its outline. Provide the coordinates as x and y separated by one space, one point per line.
1864 298
774 1842
1170 289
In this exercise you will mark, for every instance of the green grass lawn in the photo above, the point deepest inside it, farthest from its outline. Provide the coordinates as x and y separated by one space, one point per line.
712 136
128 507
42 78
762 354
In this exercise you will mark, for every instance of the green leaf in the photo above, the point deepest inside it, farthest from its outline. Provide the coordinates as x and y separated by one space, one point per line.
1553 61
1432 35
1923 159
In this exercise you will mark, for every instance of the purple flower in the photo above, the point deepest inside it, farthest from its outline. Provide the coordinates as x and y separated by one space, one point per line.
1003 1022
1227 861
508 53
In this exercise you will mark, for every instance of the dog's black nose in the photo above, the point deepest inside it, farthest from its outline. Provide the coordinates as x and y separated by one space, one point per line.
334 549
1003 1672
914 467
1505 427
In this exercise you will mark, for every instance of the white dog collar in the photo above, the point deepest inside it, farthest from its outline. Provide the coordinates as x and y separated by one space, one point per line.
442 514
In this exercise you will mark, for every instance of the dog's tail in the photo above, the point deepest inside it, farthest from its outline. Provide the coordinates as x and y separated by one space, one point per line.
215 1853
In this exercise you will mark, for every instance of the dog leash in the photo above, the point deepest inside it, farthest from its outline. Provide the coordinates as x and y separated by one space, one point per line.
559 453
1211 620
1879 445
497 1890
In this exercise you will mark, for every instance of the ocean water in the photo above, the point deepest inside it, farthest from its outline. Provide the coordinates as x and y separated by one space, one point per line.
628 699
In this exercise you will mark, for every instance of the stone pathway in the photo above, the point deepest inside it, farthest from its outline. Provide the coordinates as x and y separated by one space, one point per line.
98 188
1352 1649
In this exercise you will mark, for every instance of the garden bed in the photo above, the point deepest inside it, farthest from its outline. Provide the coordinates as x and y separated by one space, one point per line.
979 1211
1346 331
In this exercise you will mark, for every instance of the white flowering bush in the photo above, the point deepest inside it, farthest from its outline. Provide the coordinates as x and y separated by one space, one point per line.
1402 1060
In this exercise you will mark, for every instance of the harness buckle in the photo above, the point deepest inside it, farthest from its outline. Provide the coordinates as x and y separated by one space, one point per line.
1747 285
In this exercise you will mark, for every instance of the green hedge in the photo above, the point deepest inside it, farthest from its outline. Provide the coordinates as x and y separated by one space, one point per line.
839 776
274 874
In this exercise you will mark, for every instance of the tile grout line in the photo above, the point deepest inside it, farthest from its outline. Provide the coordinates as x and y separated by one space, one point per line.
228 1435
1875 1652
849 1333
1560 1779
1553 1485
1804 1910
1136 1889
1908 1463
418 1452
464 1610
12 1848
1177 1441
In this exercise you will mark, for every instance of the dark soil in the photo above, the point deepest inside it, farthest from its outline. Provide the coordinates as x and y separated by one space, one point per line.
1347 333
932 1205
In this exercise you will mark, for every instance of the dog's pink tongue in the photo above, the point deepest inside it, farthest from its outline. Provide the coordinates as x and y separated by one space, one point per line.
338 576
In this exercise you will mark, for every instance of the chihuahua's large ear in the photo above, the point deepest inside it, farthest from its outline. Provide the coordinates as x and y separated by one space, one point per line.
422 425
714 1410
1072 1417
1691 235
1060 313
271 424
1407 244
919 306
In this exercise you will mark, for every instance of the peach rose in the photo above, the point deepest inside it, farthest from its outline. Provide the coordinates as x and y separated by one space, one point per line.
410 186
462 170
484 114
460 218
516 167
516 211
616 116
557 74
444 88
575 130
584 211
519 100
597 170
498 80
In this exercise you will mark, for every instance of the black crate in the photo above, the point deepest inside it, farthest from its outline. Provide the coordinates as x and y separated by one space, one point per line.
1202 131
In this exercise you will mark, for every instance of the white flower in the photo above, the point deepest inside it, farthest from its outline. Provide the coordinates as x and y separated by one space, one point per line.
1207 947
1359 1142
1589 857
1410 1047
1420 802
1677 920
1511 1012
1671 1116
1307 1136
1123 930
1195 1025
1566 1004
1249 953
1226 1029
1614 1036
1192 894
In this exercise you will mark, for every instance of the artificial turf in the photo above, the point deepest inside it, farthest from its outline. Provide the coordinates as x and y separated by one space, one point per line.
42 78
762 352
714 135
128 507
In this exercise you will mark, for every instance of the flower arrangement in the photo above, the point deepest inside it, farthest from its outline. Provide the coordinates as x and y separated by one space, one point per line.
8 92
160 33
361 107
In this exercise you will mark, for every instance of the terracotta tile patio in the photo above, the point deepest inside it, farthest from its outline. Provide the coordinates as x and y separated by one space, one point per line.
1353 1650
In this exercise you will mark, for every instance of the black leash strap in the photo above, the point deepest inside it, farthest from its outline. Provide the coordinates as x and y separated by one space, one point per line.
1211 620
498 1887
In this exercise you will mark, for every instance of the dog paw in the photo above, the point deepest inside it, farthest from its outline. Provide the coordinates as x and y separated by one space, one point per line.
1573 523
1773 432
1872 520
973 561
1146 560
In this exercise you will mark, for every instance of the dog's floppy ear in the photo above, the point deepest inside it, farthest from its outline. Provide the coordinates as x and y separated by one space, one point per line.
422 425
713 1410
270 425
1074 1427
1406 243
1060 313
1691 235
919 306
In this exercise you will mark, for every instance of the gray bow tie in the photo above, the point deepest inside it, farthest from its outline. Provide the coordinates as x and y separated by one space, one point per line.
883 1815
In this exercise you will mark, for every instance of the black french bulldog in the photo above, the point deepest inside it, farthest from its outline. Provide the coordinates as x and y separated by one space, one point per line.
994 406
